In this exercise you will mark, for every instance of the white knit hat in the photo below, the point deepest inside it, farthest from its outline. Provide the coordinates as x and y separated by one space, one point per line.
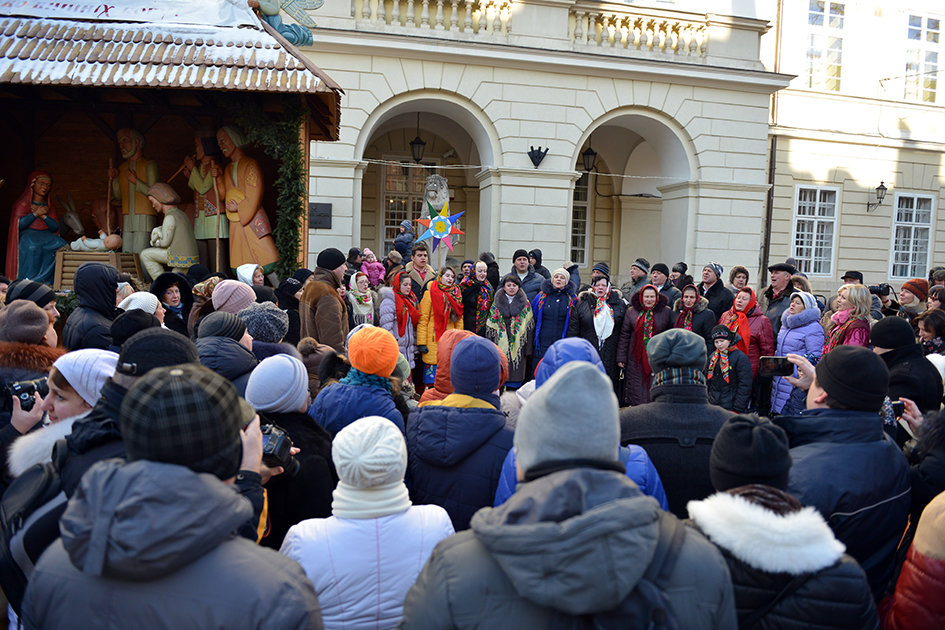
87 370
279 384
370 456
142 300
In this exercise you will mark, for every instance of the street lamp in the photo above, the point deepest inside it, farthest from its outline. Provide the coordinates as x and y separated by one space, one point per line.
417 145
880 195
590 157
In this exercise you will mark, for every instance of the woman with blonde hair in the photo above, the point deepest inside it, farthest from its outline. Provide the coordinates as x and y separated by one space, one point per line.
851 322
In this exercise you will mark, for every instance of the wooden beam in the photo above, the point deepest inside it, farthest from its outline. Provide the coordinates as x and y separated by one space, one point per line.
103 126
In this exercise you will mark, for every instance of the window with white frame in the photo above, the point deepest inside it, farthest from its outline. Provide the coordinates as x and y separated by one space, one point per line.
825 49
579 220
815 220
404 185
912 228
921 79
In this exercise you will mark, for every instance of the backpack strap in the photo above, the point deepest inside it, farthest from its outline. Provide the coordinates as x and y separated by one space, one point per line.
789 589
670 541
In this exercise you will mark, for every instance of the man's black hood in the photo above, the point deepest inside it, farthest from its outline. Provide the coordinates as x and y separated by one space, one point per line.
95 284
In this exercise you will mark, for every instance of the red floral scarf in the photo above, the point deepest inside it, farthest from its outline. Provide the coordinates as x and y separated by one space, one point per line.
483 298
643 331
405 306
447 303
684 319
721 358
737 322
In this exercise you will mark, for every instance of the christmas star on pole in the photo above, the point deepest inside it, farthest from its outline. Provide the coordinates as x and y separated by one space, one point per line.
440 226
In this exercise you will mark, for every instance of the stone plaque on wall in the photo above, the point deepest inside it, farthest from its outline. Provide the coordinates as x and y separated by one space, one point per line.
319 215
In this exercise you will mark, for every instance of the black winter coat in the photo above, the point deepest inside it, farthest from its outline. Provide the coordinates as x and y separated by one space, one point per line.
228 358
582 325
677 430
734 394
845 466
89 326
913 376
703 321
293 499
719 297
927 473
177 323
775 306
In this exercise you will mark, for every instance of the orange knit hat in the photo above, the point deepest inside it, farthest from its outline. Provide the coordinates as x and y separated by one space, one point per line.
373 350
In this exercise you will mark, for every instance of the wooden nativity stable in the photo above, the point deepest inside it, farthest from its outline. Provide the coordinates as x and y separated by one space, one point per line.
72 74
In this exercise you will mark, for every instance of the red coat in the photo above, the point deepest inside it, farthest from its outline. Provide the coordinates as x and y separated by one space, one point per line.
919 600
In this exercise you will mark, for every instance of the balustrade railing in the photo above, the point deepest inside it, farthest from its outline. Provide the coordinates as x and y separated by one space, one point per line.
606 26
484 18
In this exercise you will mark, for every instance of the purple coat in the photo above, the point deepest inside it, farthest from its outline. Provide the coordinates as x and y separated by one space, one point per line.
800 334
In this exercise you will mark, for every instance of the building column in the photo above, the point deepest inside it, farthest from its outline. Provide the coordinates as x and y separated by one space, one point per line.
337 182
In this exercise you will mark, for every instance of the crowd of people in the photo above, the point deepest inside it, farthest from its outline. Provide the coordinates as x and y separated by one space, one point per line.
377 443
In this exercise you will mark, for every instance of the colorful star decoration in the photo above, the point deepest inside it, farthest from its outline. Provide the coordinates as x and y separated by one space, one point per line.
440 226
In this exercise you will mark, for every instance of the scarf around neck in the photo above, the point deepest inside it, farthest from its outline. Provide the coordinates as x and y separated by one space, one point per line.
510 327
362 302
643 332
737 322
405 306
483 298
447 303
603 318
721 358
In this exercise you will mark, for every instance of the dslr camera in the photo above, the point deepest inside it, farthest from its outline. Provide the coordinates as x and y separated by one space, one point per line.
882 290
24 390
277 450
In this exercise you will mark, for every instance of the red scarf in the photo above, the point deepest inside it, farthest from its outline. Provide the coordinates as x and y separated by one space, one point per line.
737 322
643 331
444 299
684 319
405 306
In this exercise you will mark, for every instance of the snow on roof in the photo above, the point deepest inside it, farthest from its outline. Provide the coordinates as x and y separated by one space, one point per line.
91 52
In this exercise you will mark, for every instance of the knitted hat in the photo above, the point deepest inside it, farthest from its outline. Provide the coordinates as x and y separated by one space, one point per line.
715 267
680 267
221 324
288 288
474 367
854 377
186 415
661 267
918 287
153 348
232 296
330 259
747 450
265 321
519 253
402 371
87 370
24 322
279 384
35 292
164 193
512 277
676 348
141 300
603 268
370 456
642 263
367 252
373 350
928 534
354 252
572 416
131 322
722 332
302 275
353 331
891 333
561 271
807 299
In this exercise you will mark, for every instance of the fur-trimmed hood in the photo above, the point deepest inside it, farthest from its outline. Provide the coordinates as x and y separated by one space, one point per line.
28 356
36 447
795 543
699 306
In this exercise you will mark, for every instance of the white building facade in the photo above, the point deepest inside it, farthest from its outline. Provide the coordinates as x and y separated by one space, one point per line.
673 98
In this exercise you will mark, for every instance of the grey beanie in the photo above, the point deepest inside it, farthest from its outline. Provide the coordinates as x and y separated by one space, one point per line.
222 324
279 384
265 321
676 348
574 415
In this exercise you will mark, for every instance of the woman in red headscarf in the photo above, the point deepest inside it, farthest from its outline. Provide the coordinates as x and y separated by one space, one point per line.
755 335
34 227
648 316
400 314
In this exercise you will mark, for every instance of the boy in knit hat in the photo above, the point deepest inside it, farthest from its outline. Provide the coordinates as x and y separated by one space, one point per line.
366 389
572 544
376 540
728 372
843 463
182 432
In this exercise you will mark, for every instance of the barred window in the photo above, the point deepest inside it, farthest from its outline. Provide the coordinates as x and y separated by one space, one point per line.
579 220
815 218
921 76
825 48
403 198
912 226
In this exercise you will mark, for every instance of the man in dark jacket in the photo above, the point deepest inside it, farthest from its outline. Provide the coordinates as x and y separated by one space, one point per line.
844 464
570 547
456 446
172 535
89 326
711 288
659 276
322 310
776 298
534 257
677 427
225 347
531 281
639 272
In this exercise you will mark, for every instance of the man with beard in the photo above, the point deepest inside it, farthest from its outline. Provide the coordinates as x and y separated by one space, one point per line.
130 184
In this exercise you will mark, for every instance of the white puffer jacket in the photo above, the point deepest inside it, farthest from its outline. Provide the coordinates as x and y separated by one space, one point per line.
363 568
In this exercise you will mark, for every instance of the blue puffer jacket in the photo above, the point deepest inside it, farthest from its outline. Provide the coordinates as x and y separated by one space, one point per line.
845 466
640 470
800 334
228 358
455 456
339 405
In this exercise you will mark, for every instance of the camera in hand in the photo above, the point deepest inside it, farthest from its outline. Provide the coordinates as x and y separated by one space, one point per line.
277 450
24 390
882 290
